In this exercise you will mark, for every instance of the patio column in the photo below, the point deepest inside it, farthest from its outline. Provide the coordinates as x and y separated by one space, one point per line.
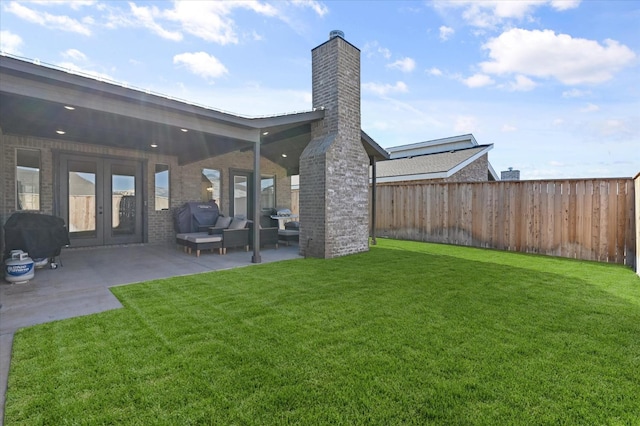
372 160
257 181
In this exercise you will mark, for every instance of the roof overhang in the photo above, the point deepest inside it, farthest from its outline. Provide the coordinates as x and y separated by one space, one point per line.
34 101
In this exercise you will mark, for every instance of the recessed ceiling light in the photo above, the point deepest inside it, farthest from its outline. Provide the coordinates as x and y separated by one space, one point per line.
69 107
184 130
154 145
60 132
284 155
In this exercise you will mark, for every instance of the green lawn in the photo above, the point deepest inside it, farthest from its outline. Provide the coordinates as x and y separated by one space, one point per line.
408 333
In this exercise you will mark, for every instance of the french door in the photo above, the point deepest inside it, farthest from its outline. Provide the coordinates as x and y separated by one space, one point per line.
101 200
241 196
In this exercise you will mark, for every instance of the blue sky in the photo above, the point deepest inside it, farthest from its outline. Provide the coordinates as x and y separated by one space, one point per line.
554 85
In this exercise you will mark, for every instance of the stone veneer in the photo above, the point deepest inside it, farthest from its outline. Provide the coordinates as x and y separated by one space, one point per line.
334 167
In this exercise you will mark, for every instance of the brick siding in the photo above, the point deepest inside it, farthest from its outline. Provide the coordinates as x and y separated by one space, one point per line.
334 168
184 180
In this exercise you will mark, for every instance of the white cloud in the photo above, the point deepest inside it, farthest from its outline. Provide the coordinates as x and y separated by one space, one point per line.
522 84
478 80
565 4
404 65
202 64
489 13
385 89
558 122
466 124
508 128
446 32
319 8
74 54
590 108
56 22
435 71
373 48
208 20
146 17
73 4
10 42
211 20
614 127
575 93
554 163
546 54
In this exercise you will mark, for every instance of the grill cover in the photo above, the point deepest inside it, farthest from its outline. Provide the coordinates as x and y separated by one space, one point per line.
40 235
195 216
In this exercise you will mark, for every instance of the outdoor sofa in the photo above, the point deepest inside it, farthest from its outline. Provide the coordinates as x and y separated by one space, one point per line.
225 233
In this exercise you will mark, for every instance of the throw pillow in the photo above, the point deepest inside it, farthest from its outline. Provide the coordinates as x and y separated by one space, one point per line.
238 223
223 222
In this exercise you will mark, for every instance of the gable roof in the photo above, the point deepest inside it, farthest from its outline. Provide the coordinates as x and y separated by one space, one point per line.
429 166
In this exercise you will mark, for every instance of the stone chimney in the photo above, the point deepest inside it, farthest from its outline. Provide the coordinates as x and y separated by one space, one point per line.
510 174
334 167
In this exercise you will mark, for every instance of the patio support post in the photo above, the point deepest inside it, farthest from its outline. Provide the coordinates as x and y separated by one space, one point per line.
373 200
257 181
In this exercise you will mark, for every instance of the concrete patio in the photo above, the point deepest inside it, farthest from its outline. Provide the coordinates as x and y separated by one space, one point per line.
80 286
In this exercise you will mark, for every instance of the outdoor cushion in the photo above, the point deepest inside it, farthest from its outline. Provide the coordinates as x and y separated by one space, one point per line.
223 222
238 223
203 237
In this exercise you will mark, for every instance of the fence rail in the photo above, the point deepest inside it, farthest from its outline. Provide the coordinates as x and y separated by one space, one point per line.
591 219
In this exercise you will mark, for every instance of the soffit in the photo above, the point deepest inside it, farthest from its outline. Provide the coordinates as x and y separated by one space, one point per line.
33 100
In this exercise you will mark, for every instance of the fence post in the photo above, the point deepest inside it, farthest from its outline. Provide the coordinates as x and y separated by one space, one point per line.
636 184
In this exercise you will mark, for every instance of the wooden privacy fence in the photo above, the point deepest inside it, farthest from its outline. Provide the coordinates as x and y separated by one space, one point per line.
590 219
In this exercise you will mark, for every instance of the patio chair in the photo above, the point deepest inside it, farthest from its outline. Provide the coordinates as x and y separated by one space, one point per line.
268 236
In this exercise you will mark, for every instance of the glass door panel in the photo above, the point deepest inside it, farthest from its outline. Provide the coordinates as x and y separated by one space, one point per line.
82 207
123 200
240 195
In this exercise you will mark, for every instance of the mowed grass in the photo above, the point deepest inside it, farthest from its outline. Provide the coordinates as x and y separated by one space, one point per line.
408 333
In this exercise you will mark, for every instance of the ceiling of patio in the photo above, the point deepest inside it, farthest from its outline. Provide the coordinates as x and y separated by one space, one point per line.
42 102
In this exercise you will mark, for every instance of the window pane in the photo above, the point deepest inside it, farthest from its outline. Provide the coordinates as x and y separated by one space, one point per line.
162 187
240 200
123 200
210 185
28 179
268 193
82 198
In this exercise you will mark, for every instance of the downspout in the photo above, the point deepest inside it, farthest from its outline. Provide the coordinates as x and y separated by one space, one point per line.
257 180
372 159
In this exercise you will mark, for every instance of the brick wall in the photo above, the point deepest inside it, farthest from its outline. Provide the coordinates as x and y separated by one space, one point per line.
334 168
478 171
184 180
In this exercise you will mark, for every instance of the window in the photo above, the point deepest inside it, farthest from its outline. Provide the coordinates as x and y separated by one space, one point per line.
162 187
27 179
268 193
210 185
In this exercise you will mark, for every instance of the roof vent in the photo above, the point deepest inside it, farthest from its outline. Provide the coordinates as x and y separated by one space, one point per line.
336 33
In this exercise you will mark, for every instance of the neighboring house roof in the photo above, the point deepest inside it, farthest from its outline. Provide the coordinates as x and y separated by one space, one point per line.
429 166
433 146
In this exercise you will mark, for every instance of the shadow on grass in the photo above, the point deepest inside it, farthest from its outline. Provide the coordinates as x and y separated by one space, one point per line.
412 335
